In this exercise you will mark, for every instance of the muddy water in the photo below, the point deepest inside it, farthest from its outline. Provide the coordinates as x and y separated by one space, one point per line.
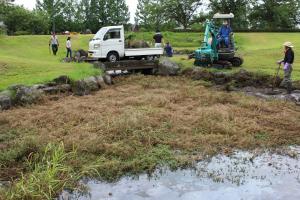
268 93
240 176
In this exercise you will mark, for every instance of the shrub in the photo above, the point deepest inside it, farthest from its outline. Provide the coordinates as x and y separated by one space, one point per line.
22 33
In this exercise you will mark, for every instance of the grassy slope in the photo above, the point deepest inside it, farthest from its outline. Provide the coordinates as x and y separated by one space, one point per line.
260 50
26 60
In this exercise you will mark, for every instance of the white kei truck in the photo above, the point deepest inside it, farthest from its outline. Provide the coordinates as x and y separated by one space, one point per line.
109 44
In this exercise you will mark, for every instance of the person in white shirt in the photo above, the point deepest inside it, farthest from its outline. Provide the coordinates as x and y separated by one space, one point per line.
53 42
69 47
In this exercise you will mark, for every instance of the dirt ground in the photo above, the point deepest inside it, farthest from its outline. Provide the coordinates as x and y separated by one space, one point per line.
141 116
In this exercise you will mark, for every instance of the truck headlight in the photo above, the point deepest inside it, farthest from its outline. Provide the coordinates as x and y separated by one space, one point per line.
96 46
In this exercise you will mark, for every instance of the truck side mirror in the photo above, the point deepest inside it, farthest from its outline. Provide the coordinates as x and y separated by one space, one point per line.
105 37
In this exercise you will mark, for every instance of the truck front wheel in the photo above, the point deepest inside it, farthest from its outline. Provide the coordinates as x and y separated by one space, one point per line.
112 57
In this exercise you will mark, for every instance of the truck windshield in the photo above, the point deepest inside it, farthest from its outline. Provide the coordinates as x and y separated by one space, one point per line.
100 34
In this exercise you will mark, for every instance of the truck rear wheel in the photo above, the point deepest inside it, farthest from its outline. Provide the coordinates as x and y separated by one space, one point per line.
112 57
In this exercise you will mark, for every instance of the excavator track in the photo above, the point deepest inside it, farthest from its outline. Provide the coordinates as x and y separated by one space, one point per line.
222 64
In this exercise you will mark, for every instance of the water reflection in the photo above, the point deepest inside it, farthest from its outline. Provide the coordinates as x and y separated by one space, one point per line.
240 176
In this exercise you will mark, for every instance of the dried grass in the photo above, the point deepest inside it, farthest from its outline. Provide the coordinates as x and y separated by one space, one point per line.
138 114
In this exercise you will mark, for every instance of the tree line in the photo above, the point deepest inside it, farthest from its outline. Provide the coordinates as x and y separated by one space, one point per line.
90 15
269 15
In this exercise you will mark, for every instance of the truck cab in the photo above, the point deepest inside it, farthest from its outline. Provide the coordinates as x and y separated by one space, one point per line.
109 44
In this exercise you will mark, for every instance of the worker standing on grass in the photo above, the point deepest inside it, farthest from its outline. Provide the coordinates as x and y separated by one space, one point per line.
158 39
54 43
287 66
69 47
224 33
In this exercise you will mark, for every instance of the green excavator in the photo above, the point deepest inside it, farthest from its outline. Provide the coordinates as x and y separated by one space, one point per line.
214 53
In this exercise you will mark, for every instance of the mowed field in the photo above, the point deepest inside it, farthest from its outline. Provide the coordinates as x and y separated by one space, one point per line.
26 59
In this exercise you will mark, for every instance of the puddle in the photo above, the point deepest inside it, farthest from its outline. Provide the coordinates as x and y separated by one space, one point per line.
240 176
267 93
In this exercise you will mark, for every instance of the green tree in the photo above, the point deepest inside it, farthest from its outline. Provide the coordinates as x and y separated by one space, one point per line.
53 8
182 11
117 12
82 14
275 14
39 23
240 8
151 14
105 12
18 19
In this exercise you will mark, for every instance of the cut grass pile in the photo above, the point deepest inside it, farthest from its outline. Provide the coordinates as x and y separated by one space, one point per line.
27 60
141 123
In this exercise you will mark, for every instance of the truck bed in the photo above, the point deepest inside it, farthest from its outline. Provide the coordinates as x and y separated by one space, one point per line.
143 52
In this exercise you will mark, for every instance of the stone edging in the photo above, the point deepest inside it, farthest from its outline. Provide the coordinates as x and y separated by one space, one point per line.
20 95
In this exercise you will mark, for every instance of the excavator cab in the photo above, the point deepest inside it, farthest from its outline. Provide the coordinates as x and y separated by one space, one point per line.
225 52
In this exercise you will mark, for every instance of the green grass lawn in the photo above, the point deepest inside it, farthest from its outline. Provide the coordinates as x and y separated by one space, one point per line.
259 50
26 59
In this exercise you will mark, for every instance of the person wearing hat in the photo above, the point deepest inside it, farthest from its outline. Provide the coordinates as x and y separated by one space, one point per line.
287 66
224 33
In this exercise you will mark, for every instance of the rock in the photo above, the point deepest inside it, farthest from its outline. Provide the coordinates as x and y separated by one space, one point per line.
15 87
230 87
221 78
80 88
296 97
202 74
57 89
80 55
187 72
92 83
107 79
100 65
81 59
67 60
39 86
27 95
243 78
292 154
85 86
6 100
168 67
61 80
100 81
